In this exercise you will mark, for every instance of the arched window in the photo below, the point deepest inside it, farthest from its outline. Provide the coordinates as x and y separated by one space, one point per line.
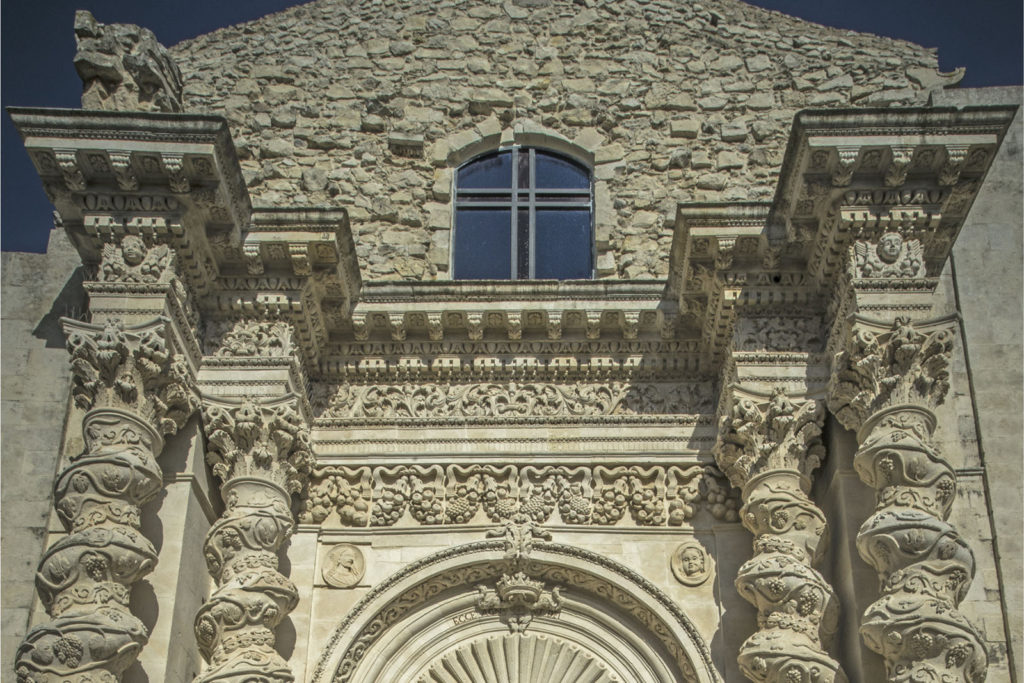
523 213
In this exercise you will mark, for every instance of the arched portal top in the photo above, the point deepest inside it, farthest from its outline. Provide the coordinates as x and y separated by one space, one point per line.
465 604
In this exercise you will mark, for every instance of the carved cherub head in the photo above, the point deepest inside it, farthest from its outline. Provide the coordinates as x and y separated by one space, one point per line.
889 247
133 249
692 561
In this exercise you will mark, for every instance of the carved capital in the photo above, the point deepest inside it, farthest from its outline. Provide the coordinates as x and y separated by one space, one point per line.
262 439
131 368
759 434
879 367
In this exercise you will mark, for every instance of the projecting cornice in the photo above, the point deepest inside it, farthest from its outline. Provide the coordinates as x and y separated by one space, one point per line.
851 180
175 179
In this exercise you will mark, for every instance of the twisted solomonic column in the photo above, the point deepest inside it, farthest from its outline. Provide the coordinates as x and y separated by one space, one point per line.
135 390
260 450
768 447
884 385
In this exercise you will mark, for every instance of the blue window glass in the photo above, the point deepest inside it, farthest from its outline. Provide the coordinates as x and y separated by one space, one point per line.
523 213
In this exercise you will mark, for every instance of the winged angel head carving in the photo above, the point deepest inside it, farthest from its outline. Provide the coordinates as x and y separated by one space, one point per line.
134 261
891 257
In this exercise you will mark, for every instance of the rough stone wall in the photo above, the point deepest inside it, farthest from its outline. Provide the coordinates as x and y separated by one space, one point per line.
37 290
358 104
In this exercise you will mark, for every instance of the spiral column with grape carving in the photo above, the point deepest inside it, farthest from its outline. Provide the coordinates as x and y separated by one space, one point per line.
261 452
768 446
135 390
885 382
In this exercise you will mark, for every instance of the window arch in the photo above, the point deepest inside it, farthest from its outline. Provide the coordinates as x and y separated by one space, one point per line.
523 212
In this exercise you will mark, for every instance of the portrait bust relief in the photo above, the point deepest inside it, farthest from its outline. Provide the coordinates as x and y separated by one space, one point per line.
343 566
691 564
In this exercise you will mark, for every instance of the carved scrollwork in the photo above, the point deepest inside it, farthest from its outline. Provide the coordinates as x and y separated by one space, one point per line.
769 446
457 494
513 400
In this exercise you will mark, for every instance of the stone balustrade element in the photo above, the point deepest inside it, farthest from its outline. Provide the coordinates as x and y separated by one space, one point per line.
135 390
261 452
768 447
885 383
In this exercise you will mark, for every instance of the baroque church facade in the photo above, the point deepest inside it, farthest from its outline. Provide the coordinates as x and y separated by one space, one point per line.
634 341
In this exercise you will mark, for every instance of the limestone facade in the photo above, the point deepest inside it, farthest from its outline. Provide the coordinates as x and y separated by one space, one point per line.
263 435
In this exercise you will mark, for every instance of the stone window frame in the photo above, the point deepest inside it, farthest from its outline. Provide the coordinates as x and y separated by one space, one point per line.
589 147
531 198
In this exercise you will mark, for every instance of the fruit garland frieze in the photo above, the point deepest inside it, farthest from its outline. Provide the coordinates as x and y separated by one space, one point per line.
487 494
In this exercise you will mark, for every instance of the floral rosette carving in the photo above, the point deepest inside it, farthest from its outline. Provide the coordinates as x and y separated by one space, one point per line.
769 446
885 384
261 451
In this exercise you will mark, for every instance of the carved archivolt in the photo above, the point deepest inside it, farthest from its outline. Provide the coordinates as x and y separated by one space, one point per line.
885 384
392 633
598 495
511 400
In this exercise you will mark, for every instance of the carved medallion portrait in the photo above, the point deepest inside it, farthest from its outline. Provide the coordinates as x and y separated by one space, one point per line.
691 564
343 566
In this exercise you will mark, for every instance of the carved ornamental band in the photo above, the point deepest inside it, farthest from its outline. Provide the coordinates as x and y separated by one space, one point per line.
884 385
768 447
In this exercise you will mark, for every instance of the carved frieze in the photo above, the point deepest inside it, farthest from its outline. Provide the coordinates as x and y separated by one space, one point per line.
454 494
489 401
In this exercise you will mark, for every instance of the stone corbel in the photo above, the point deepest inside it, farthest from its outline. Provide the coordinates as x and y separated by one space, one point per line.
135 388
886 381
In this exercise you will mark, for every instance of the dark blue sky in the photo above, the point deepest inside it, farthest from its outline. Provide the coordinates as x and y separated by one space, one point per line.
38 45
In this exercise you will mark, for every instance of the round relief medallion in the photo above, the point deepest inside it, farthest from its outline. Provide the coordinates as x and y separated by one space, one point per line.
691 564
343 566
